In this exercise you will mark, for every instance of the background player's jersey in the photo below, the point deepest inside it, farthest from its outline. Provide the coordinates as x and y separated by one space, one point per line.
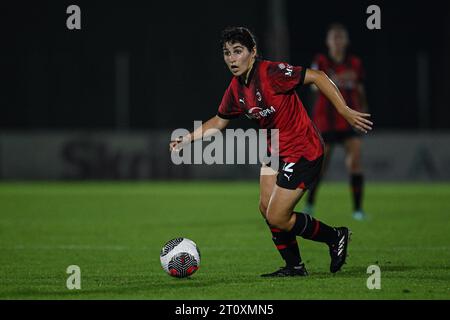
347 76
269 98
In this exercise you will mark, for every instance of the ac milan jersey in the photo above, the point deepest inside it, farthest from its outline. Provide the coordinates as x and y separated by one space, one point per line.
269 98
346 75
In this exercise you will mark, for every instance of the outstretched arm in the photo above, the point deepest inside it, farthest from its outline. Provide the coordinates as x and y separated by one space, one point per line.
328 88
207 129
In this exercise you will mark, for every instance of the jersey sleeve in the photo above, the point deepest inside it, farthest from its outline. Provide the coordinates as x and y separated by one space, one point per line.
228 108
285 77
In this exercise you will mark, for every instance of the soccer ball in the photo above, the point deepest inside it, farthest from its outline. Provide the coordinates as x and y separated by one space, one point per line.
180 257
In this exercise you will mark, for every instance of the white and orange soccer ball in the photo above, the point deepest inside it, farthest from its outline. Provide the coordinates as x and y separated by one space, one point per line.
180 257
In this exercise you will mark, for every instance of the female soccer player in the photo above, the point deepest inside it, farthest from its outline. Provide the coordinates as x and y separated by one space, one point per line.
346 72
264 91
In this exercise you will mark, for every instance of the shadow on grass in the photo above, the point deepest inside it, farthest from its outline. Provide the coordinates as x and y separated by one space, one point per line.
362 271
157 288
394 271
143 289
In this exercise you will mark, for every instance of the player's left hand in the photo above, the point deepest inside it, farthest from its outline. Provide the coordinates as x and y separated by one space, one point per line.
358 120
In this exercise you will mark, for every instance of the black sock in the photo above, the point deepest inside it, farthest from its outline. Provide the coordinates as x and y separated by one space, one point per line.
357 184
312 229
287 246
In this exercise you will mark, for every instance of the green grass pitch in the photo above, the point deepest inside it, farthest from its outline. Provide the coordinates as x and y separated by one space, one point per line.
114 233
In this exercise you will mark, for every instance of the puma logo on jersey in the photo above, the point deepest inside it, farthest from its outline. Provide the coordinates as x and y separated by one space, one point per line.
241 100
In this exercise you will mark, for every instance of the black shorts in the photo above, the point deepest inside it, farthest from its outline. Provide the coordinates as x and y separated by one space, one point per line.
338 137
299 175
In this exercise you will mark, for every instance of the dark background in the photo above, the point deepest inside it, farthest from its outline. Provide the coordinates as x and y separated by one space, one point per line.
55 78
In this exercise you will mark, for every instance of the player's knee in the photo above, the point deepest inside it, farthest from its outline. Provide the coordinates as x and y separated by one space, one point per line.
278 222
354 163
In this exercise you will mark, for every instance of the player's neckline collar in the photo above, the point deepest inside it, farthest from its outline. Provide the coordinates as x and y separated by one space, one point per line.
250 76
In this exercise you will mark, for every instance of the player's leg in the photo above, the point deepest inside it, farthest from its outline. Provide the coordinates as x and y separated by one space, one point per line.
352 147
267 180
281 215
285 242
290 187
312 192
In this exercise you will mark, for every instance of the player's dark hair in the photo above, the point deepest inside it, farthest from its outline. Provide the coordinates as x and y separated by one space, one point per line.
241 35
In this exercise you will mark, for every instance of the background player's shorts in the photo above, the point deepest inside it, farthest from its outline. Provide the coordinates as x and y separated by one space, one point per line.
338 137
301 174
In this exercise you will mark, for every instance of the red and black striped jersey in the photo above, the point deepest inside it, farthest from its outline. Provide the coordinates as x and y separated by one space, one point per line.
347 75
269 97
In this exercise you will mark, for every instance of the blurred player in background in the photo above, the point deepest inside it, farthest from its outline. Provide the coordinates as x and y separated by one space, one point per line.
347 73
264 91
